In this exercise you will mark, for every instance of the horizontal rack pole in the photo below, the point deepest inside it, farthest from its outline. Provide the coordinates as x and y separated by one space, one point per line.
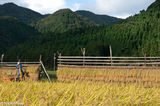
153 63
20 62
86 60
63 57
117 67
108 61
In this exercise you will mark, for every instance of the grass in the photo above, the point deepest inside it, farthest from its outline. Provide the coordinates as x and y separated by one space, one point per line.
77 94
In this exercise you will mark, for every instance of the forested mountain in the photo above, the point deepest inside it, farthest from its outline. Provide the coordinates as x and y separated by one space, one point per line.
155 5
134 36
13 32
23 14
99 19
63 20
67 43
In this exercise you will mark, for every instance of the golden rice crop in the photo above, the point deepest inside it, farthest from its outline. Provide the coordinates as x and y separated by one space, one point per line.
148 77
77 94
32 71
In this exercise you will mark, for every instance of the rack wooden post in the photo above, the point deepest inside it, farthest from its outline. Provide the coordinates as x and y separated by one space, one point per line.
2 58
110 48
54 61
145 59
83 53
59 56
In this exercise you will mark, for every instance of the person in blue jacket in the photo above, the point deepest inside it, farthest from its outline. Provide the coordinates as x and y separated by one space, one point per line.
19 67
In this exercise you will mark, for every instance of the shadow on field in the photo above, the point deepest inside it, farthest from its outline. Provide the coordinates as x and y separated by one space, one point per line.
52 75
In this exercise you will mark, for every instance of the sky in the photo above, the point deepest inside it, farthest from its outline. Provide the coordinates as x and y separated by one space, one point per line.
117 8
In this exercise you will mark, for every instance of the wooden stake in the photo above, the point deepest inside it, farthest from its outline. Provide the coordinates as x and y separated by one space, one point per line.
145 58
2 58
110 48
54 61
59 56
83 53
145 55
17 58
40 58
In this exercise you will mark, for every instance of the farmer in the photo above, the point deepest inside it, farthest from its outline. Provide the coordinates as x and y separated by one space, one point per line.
19 67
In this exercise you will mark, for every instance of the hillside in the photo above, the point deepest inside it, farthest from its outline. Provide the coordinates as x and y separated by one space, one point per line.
135 36
13 32
23 14
99 19
62 21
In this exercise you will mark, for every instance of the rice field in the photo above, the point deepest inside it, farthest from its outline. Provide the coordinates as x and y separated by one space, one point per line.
145 76
11 72
77 94
85 87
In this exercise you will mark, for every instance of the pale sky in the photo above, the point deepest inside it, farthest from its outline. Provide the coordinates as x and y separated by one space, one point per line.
117 8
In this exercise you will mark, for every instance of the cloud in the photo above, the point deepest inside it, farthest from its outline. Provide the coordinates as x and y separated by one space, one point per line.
45 6
18 2
42 6
76 6
121 8
89 5
118 8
